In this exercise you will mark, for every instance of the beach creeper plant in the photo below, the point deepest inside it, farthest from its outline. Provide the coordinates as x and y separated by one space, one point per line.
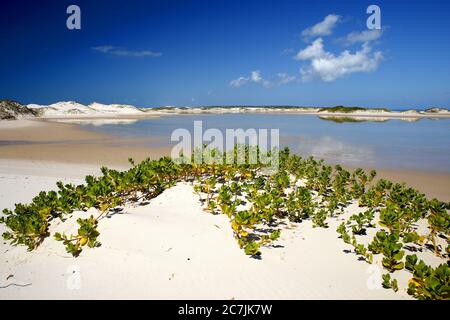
87 235
342 230
439 220
390 247
390 217
389 283
28 223
210 183
301 189
319 218
300 204
411 261
429 283
360 249
376 195
361 221
413 237
252 249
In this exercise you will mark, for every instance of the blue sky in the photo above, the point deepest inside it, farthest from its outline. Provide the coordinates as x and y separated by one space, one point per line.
152 53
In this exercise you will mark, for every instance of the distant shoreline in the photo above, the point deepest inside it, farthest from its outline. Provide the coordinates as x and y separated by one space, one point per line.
151 112
10 110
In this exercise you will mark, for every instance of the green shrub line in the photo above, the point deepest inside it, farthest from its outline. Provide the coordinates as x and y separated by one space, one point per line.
345 109
258 201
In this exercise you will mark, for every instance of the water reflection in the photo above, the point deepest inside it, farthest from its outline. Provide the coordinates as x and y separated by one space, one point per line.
423 144
98 122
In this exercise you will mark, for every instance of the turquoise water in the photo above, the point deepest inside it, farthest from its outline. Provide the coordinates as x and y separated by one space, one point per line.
423 144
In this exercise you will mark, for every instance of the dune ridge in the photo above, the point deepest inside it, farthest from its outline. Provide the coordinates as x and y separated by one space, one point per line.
72 109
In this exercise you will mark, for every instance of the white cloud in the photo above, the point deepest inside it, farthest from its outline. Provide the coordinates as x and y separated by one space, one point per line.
323 64
323 28
314 50
239 82
361 37
125 53
255 77
284 78
329 67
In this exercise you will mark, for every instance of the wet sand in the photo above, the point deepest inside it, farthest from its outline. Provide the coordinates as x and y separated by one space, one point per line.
434 184
69 143
40 140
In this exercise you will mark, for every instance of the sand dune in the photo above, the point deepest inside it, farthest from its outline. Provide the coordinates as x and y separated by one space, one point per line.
75 110
171 248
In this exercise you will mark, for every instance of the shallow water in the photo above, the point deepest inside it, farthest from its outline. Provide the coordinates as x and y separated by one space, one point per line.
423 144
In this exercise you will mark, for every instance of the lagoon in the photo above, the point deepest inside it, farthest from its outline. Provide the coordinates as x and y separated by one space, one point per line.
398 144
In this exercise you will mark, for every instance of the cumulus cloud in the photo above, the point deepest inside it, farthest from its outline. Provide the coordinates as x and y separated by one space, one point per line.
284 78
322 64
239 82
361 37
323 28
116 51
313 51
328 67
254 77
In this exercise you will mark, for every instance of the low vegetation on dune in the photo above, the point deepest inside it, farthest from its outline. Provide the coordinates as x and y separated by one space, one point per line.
258 201
436 110
343 109
11 110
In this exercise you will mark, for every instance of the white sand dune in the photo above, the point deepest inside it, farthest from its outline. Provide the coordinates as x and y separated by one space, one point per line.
62 108
77 110
171 248
71 109
115 108
371 114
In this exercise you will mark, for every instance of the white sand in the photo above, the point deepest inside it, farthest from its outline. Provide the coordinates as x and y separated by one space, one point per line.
172 249
20 123
72 109
75 110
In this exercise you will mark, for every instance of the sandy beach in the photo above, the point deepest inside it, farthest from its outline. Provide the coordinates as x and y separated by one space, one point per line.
68 143
168 248
182 152
172 249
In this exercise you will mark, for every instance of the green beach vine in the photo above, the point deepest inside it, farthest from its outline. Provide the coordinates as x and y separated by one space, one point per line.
257 201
